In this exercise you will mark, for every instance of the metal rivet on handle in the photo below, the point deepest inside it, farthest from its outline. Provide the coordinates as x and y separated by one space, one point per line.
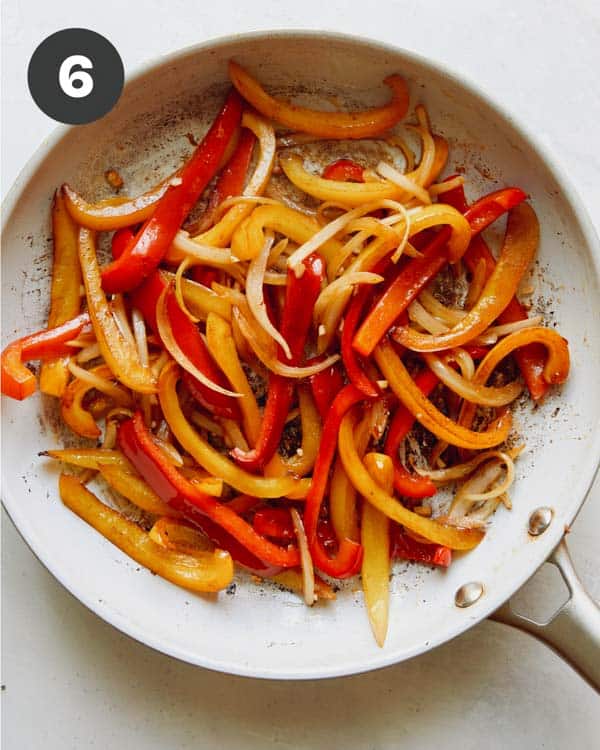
468 594
539 520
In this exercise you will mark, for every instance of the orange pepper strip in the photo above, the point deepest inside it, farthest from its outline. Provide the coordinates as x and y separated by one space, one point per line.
427 414
375 539
210 571
450 536
520 245
65 297
17 380
364 124
556 368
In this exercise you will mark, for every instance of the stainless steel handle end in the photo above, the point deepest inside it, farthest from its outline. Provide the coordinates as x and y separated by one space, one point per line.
574 631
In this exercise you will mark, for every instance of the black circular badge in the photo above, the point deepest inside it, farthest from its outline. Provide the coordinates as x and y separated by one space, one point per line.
75 76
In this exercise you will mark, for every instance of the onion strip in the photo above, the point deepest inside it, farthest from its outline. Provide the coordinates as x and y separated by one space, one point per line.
306 563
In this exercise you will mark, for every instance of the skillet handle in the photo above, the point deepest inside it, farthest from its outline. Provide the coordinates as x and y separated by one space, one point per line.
574 631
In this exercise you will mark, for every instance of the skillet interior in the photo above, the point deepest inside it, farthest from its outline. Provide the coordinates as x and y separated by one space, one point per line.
261 631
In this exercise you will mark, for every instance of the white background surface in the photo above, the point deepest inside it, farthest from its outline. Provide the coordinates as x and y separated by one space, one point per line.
71 681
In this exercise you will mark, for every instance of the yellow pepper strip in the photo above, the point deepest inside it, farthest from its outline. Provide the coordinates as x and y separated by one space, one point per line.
303 461
249 238
450 536
221 344
439 160
351 194
209 485
179 536
214 462
342 493
72 411
365 124
220 235
207 571
556 369
119 353
133 488
401 383
201 300
375 539
291 579
65 298
90 458
116 212
519 248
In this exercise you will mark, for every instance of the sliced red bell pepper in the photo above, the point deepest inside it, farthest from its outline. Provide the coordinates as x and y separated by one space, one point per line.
275 523
348 558
147 249
120 241
531 358
218 521
300 297
344 170
325 386
406 483
404 547
188 337
18 381
403 289
354 369
233 176
204 275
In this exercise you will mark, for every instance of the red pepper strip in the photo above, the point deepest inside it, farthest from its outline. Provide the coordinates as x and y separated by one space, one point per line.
18 381
275 523
349 555
225 527
325 386
408 283
531 358
405 483
120 241
404 547
187 335
146 251
204 275
344 170
300 297
477 352
354 369
490 207
232 178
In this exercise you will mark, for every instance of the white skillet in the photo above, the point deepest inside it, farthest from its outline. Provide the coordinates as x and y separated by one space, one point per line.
260 631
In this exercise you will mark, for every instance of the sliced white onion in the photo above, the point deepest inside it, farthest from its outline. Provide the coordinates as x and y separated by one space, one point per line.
306 563
268 355
338 286
255 280
450 316
213 256
171 453
475 393
104 385
418 314
412 188
476 490
168 338
120 315
459 471
89 352
492 334
439 188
